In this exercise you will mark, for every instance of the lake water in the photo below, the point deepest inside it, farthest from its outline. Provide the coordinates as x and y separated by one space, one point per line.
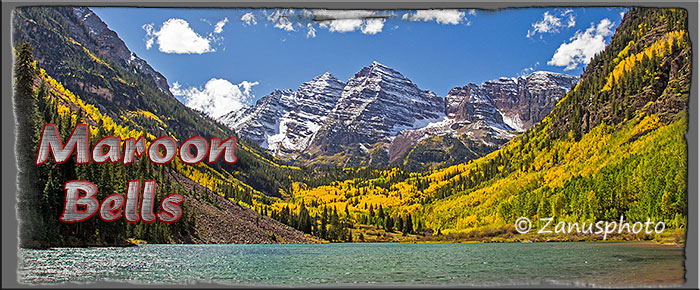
597 263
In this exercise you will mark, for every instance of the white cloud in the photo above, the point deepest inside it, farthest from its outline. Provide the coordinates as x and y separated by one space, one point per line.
285 24
582 46
373 26
176 36
312 31
218 97
219 27
442 16
472 12
551 23
366 26
604 27
367 21
571 22
341 25
249 19
149 32
280 18
528 70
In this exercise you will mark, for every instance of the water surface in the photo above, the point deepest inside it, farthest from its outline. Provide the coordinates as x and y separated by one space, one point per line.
592 263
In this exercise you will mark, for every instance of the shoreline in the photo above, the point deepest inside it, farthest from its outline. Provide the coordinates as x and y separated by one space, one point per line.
673 237
614 241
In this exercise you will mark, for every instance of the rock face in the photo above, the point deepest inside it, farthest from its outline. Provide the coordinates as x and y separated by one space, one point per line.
535 96
107 43
485 117
326 116
379 114
284 122
517 103
375 105
76 32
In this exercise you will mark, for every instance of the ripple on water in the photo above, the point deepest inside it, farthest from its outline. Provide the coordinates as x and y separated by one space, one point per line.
605 264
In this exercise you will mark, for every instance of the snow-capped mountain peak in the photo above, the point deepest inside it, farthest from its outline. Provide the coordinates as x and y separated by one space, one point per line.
379 108
284 121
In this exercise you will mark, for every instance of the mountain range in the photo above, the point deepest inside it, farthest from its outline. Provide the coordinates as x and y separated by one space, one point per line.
379 117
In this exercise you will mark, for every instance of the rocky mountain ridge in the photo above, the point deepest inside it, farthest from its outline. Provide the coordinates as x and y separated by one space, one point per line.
379 114
484 117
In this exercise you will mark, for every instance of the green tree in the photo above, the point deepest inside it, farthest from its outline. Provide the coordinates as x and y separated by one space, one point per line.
389 224
408 225
30 182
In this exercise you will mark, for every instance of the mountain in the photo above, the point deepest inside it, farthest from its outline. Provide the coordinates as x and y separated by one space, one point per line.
375 105
76 48
521 102
326 117
107 43
614 146
480 119
284 122
87 74
536 95
379 115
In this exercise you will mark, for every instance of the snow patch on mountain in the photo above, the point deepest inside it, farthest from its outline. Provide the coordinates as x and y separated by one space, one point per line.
379 105
513 121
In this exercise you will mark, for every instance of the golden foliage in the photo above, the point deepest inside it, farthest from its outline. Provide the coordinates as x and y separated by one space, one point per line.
659 48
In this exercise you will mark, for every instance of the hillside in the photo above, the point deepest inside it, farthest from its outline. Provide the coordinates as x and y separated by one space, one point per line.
85 74
613 145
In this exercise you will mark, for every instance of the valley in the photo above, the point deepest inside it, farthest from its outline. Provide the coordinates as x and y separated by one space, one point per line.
373 158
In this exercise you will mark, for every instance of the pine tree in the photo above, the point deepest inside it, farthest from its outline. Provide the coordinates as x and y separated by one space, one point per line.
52 204
335 226
388 224
408 225
30 182
304 220
324 221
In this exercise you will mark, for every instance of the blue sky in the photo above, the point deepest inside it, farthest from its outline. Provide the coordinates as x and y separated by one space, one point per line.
219 59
